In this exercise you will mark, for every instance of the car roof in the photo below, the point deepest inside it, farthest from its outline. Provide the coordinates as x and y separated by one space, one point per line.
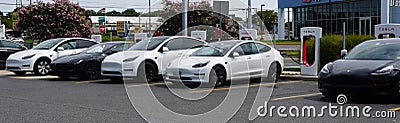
387 40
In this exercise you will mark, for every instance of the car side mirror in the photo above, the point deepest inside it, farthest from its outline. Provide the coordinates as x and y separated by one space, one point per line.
343 53
60 49
165 49
236 54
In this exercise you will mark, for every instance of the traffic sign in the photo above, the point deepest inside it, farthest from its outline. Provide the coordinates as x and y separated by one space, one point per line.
102 29
136 29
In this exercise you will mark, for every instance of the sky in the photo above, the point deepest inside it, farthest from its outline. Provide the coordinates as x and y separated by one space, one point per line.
142 5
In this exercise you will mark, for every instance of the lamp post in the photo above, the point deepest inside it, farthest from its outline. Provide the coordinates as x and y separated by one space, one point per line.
262 22
150 19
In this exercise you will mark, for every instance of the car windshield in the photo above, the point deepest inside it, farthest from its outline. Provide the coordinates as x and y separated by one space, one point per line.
375 51
48 44
148 44
215 49
98 49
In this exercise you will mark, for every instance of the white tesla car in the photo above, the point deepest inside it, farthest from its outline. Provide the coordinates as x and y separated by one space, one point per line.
39 57
153 54
219 62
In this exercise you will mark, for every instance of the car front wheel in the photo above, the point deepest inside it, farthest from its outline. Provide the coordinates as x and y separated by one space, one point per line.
217 76
42 67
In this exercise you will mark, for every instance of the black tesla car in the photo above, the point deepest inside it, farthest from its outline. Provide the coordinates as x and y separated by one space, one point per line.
371 67
7 48
87 64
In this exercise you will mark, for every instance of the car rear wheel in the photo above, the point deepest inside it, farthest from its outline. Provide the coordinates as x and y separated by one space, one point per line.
42 67
274 73
19 73
217 76
92 71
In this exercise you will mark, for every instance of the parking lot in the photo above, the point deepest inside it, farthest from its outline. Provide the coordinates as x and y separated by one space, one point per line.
49 99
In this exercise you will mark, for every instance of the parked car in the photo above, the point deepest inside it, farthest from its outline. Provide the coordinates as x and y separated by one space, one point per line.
371 67
7 48
38 59
86 64
219 62
153 54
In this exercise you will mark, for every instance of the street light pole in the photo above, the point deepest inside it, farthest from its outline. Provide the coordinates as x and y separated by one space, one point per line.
150 19
184 16
249 19
262 22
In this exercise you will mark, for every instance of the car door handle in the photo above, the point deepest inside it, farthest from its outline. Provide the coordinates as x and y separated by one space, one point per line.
248 57
180 54
268 56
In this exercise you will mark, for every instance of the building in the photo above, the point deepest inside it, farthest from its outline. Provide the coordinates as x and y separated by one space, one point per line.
360 16
145 23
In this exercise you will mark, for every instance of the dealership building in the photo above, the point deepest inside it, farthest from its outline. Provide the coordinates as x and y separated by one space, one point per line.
360 16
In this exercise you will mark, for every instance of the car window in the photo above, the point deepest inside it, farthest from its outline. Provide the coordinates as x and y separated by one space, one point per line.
118 48
84 44
238 50
249 48
9 44
182 43
262 48
69 45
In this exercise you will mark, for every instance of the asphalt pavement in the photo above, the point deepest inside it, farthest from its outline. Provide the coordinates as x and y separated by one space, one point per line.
49 99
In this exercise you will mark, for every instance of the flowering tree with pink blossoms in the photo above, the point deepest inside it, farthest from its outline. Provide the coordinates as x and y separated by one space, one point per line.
199 14
54 20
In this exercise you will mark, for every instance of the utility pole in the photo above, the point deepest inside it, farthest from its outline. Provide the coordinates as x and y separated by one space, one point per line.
262 22
249 19
184 16
150 19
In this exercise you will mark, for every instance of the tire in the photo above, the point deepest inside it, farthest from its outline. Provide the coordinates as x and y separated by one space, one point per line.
92 71
42 67
147 72
274 73
19 73
217 76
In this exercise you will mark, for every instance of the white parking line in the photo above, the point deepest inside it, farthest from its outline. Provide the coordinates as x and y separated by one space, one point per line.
296 96
151 84
34 77
245 86
92 81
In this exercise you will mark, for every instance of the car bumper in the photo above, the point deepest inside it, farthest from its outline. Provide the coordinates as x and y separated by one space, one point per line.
116 69
69 70
187 75
19 65
358 84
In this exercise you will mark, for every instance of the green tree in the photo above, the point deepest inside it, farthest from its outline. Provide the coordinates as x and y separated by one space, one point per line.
90 12
60 18
113 12
131 12
269 17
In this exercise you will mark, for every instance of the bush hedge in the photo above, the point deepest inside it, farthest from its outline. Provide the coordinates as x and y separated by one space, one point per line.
331 45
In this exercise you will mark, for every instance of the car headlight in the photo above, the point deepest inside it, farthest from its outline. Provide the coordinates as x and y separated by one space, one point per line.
200 64
78 62
384 71
326 68
28 57
130 59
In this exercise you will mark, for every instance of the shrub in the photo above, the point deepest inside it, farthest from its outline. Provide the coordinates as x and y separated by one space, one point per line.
331 45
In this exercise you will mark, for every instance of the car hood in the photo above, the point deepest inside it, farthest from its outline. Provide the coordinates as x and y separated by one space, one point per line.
359 67
21 54
118 57
188 62
75 57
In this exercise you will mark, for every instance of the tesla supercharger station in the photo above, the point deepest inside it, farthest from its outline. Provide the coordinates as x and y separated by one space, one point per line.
307 33
387 31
